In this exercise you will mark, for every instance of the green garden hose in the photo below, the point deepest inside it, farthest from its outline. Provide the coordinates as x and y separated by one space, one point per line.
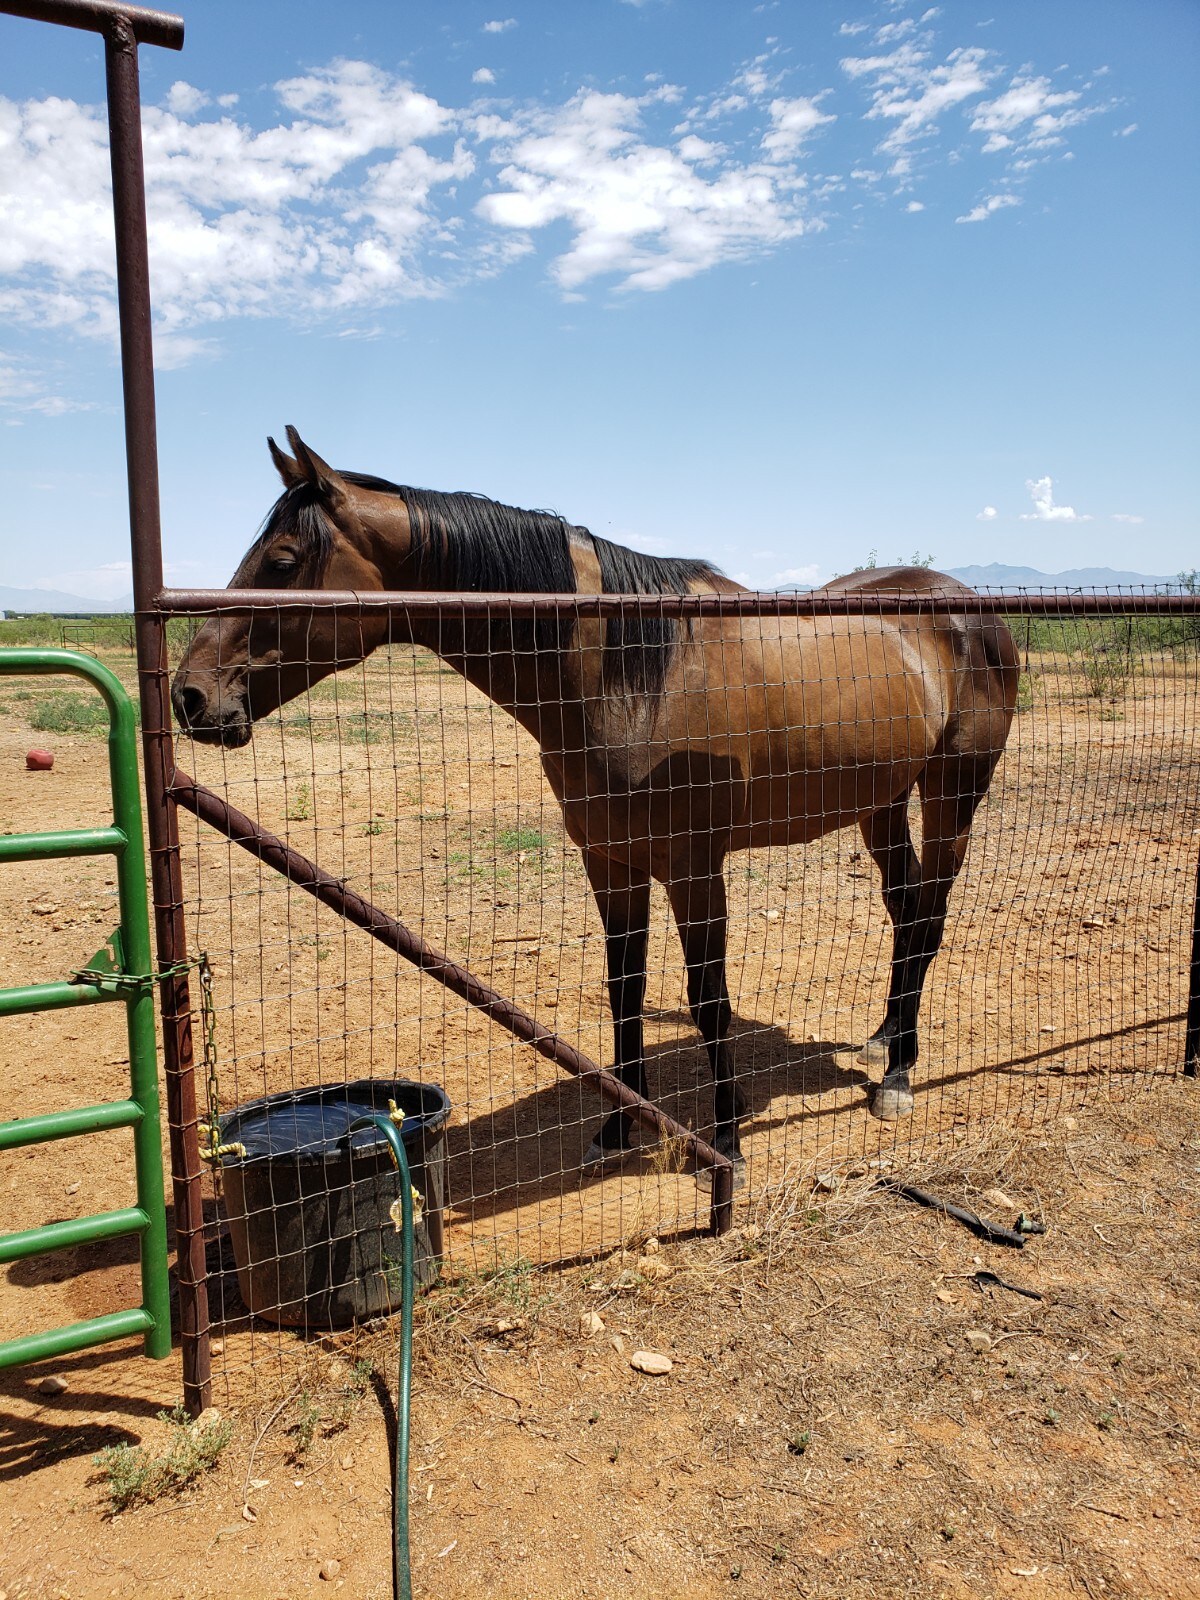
401 1576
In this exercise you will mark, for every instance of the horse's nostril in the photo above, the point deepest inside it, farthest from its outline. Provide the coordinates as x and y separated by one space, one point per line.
190 705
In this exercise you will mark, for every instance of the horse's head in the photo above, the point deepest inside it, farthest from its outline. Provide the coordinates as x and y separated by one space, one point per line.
326 531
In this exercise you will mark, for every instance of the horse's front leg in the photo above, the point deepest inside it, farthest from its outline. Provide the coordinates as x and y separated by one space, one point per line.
623 897
700 912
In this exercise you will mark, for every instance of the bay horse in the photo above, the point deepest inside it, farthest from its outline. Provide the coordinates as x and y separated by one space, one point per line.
667 743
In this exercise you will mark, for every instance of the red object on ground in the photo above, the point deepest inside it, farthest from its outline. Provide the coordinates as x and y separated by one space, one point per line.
39 761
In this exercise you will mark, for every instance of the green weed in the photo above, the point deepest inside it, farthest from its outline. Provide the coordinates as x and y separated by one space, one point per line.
134 1476
511 840
300 809
70 713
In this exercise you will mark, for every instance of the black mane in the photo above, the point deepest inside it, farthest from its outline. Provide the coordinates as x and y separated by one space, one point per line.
466 543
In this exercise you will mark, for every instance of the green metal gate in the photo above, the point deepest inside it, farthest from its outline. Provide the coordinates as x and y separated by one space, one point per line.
122 971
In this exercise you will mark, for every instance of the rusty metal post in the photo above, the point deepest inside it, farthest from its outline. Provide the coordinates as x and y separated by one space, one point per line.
141 450
1191 1046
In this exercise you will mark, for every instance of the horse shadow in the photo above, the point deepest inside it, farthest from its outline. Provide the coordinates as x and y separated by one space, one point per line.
528 1151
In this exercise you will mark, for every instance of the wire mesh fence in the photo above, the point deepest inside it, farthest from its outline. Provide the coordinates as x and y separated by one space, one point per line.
1065 961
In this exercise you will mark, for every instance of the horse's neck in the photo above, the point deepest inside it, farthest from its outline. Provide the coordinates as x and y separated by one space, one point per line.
538 687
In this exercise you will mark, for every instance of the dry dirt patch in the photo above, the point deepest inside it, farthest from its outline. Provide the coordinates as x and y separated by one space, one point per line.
849 1413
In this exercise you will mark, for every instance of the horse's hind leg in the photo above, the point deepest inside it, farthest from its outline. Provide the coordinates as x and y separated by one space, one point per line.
623 897
950 794
700 912
886 835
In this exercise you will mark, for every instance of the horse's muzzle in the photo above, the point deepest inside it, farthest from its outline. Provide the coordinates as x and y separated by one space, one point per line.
229 726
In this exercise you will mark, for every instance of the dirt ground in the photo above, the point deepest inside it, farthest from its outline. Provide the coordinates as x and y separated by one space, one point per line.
827 1428
850 1412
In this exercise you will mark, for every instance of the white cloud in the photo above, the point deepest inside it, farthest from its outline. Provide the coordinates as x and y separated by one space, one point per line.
1044 508
1123 133
1029 115
241 222
1126 516
789 575
988 514
184 100
639 211
23 389
912 94
914 91
363 191
891 31
987 208
792 121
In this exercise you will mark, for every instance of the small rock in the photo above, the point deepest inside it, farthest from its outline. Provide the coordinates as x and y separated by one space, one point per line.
217 1346
591 1322
249 1514
618 1344
1093 922
509 1324
1048 1027
347 1461
978 1340
769 916
330 1569
53 1385
997 1197
1069 1123
208 1418
43 908
73 1188
651 1363
827 1182
260 1483
651 1247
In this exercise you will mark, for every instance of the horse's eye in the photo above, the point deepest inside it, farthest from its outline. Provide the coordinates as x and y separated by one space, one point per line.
284 566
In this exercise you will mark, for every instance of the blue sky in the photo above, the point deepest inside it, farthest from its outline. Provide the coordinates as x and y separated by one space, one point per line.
775 284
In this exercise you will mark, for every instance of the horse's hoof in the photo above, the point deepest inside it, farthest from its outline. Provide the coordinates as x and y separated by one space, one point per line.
704 1175
890 1104
874 1053
597 1157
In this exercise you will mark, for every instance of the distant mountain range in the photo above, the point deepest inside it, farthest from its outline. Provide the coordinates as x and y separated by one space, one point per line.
994 576
998 576
53 602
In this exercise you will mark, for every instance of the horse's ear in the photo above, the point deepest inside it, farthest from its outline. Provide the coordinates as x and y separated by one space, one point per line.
313 470
287 469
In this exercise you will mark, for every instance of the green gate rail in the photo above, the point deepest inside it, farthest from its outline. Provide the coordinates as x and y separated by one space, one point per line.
121 971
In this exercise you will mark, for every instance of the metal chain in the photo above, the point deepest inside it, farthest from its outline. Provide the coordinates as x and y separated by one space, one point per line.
208 1019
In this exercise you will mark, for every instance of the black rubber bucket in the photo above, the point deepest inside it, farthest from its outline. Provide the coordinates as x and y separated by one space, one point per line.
310 1205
